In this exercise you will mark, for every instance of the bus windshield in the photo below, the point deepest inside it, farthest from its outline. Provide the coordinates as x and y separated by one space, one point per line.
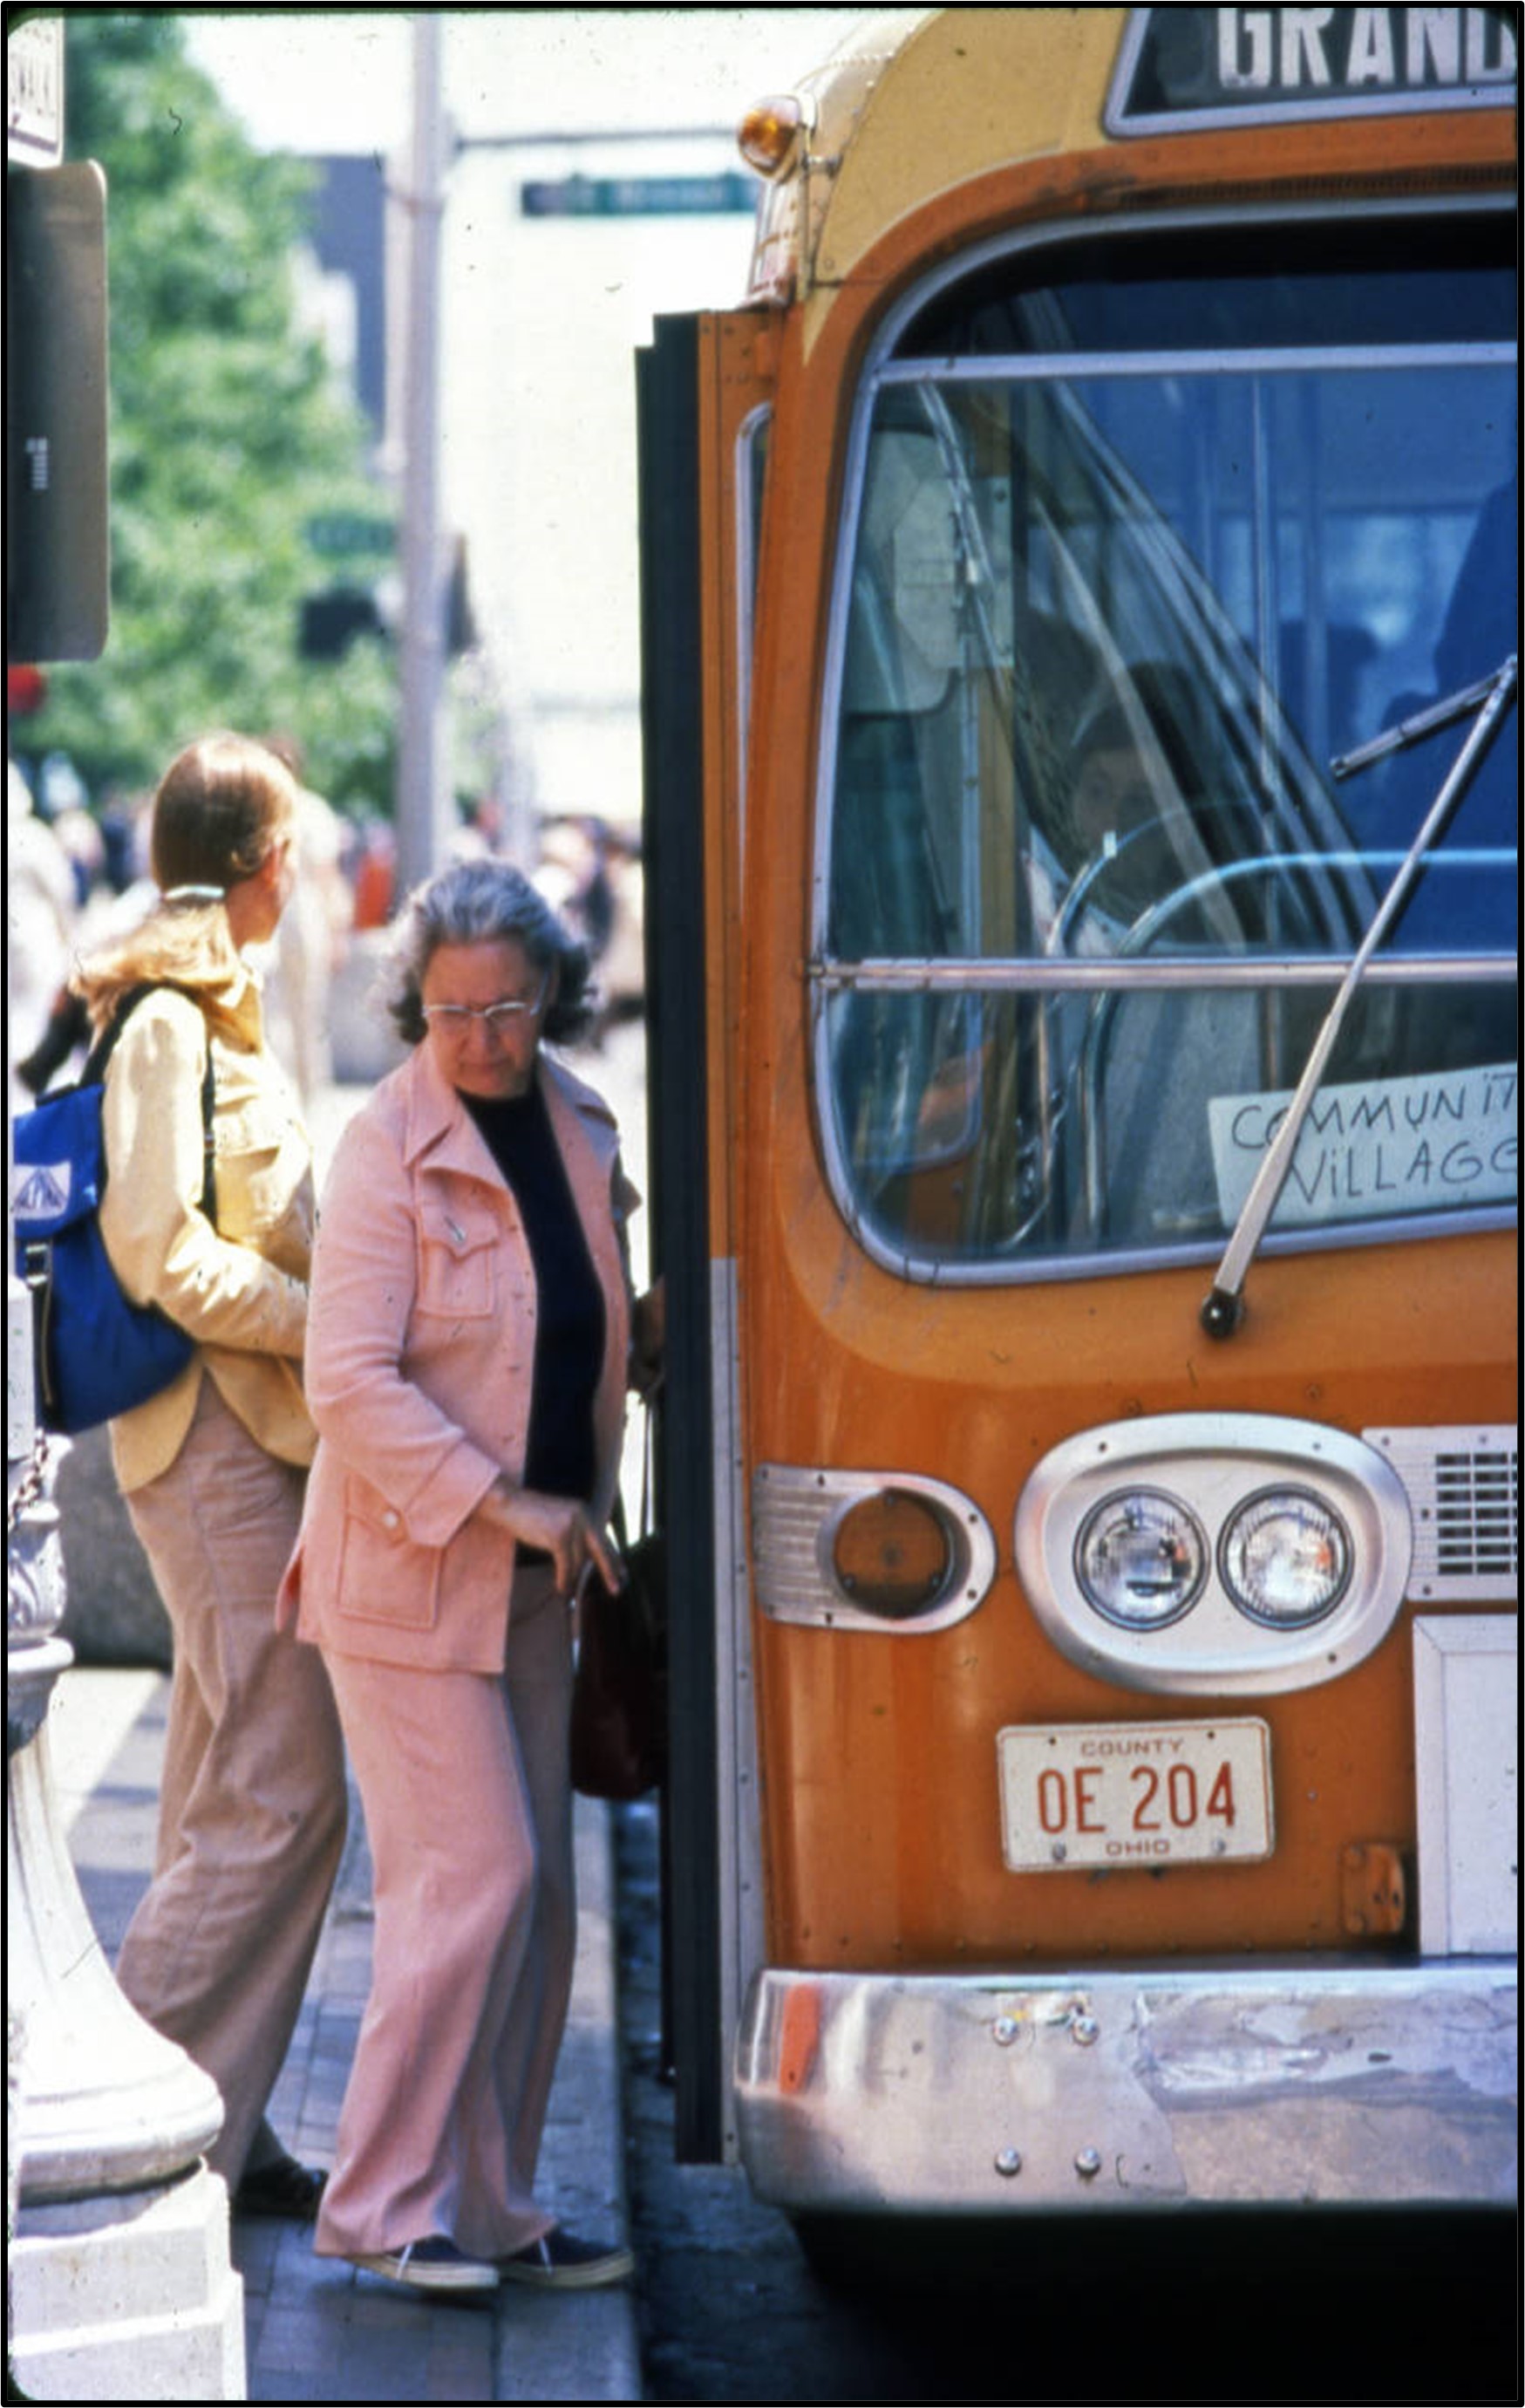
1136 547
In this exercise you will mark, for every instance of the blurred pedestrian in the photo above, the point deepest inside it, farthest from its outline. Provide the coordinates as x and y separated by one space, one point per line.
253 1806
621 965
479 834
309 943
574 878
118 902
372 877
39 925
467 1360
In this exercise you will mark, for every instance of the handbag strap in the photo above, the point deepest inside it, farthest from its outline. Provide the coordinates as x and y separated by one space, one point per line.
646 1452
100 1053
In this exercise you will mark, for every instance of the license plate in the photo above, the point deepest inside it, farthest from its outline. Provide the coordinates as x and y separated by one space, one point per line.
1078 1795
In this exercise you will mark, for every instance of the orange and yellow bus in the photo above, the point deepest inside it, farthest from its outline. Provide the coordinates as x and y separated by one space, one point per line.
1080 608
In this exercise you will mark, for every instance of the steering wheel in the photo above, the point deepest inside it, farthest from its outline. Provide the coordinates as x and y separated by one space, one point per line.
1338 921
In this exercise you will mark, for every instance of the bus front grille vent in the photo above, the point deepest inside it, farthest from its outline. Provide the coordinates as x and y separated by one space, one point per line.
1463 1495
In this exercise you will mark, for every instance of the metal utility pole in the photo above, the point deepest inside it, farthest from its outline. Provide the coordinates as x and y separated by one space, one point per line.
423 799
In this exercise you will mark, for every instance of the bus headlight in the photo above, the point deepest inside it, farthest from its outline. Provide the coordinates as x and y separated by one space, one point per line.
1141 1558
1285 1559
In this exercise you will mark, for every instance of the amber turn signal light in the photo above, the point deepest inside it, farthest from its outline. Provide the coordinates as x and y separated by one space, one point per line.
892 1555
766 134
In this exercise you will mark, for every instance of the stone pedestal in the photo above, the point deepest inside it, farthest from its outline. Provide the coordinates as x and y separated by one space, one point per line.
128 2296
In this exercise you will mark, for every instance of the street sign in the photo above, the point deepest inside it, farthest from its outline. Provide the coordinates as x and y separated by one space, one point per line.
342 533
640 196
34 91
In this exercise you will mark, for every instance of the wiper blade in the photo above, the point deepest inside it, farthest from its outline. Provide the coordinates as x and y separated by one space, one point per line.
1223 1308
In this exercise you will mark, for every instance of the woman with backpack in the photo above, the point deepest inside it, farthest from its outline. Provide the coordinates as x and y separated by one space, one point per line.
212 1469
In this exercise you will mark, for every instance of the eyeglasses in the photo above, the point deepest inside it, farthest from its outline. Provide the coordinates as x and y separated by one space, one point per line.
453 1019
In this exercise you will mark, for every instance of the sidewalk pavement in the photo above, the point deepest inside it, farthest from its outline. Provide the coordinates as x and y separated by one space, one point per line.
316 2328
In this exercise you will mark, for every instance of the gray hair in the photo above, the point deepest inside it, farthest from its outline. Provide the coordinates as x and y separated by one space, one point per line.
483 903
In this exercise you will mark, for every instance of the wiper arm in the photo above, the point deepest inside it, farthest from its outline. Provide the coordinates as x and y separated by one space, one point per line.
1421 724
1223 1309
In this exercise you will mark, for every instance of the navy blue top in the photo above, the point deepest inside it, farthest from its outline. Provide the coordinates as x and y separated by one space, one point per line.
560 1458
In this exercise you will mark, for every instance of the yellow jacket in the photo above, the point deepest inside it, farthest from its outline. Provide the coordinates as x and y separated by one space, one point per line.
240 1289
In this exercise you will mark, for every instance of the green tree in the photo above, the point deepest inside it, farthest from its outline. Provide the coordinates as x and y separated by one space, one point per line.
228 441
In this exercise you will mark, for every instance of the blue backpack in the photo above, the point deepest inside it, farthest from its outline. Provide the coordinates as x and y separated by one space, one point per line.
97 1354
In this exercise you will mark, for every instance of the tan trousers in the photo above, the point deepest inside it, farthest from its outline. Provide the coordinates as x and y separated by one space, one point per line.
468 1809
251 1810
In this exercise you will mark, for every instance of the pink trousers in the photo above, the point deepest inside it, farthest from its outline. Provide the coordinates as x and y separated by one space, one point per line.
468 1809
251 1808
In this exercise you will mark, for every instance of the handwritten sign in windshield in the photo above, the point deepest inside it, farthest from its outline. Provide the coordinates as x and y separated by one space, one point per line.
1426 1144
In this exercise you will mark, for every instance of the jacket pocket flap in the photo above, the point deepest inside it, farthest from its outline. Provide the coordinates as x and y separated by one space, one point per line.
457 1251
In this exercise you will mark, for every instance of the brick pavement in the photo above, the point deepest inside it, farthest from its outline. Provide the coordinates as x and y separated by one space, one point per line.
316 2328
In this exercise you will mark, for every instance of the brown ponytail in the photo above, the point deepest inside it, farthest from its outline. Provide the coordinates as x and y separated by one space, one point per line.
221 805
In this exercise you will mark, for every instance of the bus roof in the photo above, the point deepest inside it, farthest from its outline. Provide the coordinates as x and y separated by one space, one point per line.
922 101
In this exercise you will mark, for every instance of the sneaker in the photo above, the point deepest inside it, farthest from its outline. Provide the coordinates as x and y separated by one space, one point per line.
283 2187
434 2265
559 2261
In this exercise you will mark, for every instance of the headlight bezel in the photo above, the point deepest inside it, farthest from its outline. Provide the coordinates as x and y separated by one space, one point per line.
1213 1467
798 1512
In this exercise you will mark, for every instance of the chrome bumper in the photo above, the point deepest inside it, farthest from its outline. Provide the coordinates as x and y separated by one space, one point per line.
1331 2082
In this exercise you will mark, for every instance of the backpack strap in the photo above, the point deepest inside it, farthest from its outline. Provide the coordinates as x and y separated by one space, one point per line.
100 1055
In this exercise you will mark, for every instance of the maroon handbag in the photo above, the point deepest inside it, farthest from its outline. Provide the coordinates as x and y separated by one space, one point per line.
619 1687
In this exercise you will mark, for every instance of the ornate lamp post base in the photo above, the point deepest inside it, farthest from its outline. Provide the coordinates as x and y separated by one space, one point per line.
120 2284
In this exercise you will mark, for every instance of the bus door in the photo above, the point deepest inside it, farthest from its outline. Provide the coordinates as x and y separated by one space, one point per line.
703 390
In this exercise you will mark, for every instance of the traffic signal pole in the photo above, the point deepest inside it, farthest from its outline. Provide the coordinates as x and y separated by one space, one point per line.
422 787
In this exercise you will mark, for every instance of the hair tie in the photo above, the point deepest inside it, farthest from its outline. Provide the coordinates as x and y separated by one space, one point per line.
195 895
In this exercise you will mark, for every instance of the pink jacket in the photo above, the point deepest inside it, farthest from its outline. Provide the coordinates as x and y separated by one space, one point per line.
420 1343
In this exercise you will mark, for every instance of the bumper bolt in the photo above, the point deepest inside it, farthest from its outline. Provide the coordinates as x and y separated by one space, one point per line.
1008 2162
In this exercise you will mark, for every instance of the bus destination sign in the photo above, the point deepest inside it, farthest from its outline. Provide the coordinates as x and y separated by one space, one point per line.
1181 69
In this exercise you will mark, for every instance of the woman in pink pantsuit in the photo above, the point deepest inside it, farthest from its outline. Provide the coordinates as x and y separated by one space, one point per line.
467 1356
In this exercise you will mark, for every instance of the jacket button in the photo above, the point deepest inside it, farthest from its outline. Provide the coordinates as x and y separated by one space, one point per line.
391 1519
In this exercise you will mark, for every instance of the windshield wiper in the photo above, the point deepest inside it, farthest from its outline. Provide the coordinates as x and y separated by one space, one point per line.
1223 1308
